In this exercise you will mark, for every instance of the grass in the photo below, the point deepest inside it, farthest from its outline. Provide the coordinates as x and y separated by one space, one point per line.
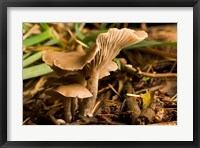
31 59
38 38
35 71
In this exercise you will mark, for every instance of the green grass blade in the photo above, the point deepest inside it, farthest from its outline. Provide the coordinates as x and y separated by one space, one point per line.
35 71
92 37
31 59
38 38
52 42
45 26
150 43
78 32
25 27
26 55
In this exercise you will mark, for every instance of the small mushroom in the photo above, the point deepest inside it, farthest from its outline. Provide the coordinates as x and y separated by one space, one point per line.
70 79
109 45
68 93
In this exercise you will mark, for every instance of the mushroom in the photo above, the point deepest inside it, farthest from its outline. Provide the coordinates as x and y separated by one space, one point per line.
68 93
70 79
97 62
70 63
108 47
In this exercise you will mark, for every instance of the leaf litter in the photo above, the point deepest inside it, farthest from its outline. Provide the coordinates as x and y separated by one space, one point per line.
147 72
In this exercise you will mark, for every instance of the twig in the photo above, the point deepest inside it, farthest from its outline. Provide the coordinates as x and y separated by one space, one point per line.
158 75
114 89
129 68
100 101
132 95
43 48
174 97
33 30
150 89
78 41
132 70
96 107
26 120
103 89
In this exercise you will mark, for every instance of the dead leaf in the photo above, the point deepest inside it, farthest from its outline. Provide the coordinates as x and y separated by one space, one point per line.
146 98
170 88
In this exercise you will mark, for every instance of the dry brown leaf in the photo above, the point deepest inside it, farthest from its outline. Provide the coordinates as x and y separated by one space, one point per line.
169 88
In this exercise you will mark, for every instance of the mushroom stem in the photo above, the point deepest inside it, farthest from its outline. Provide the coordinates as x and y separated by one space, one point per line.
74 106
92 86
67 110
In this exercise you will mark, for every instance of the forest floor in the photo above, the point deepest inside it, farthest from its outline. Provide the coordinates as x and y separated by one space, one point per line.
143 91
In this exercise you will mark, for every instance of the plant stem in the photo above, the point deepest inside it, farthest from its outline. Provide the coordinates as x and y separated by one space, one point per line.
88 103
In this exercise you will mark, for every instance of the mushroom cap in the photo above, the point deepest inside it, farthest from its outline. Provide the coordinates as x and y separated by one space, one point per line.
49 56
114 40
112 66
73 90
65 64
75 60
109 45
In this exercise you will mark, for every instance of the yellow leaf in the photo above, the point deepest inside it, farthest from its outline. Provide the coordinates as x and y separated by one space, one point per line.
146 98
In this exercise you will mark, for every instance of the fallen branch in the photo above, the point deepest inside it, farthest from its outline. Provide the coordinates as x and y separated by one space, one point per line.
130 104
134 71
156 75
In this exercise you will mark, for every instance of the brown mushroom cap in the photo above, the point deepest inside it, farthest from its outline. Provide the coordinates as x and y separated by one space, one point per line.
110 44
114 40
49 56
69 63
73 90
75 60
112 66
